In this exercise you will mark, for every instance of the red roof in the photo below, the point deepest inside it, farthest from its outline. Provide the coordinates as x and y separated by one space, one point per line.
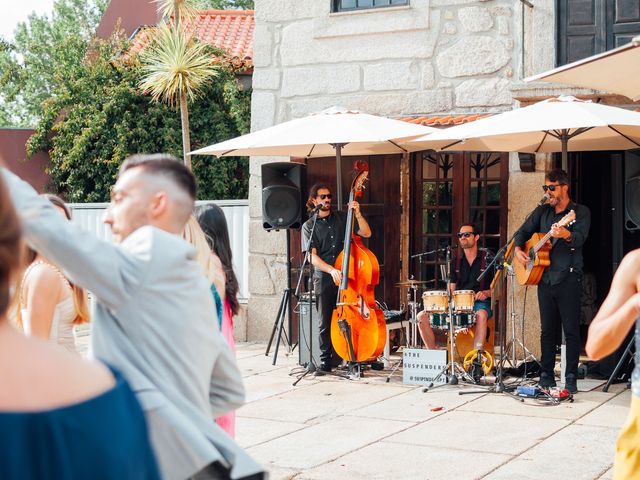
228 30
444 120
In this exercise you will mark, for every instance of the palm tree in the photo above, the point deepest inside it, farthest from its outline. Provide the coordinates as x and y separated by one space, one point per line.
176 66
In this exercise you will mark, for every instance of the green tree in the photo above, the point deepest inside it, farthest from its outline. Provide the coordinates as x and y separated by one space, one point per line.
225 4
45 51
99 117
176 65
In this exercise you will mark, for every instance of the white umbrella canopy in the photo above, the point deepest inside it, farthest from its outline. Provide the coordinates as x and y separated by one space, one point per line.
315 135
562 124
334 131
615 71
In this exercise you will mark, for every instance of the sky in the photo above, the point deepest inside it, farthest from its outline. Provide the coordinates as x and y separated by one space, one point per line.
14 12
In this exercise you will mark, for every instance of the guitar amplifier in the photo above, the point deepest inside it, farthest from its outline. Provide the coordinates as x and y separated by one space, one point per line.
308 331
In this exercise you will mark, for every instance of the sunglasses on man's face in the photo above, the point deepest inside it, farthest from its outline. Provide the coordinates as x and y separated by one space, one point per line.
551 188
324 195
466 234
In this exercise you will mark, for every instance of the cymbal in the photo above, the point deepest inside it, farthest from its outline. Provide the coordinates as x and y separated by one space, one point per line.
410 283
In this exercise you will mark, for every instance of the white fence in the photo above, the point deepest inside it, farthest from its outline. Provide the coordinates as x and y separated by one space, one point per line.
89 217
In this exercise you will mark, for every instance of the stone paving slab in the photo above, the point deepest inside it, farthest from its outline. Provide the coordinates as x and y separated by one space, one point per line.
322 399
414 405
324 442
267 385
577 452
480 432
611 414
254 431
502 403
255 364
393 434
608 475
407 462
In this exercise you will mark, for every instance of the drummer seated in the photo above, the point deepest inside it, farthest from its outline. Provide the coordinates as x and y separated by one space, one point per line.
482 310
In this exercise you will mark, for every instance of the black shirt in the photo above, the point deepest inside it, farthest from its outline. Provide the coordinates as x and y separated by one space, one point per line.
467 279
328 236
565 256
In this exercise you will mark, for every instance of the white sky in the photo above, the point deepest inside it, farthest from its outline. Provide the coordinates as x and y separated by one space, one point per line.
15 11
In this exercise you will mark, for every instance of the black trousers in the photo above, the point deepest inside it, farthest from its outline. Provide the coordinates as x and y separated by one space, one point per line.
326 292
560 303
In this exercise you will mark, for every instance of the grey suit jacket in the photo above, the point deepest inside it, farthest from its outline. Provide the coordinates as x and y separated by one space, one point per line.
155 320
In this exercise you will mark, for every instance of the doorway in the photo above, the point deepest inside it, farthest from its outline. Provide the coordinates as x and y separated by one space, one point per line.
602 181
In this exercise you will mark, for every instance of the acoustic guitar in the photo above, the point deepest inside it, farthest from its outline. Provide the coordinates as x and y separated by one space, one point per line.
538 249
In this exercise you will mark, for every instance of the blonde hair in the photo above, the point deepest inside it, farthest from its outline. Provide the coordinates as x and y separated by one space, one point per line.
78 294
193 234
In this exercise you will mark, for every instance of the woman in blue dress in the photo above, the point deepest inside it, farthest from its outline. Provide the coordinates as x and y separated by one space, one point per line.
60 417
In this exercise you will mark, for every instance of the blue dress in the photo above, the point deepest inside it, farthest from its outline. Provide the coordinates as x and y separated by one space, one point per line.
104 437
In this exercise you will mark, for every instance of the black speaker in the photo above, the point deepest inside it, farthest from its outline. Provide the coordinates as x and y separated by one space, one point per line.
632 203
283 186
306 339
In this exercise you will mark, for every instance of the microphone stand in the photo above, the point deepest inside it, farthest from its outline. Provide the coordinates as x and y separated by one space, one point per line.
498 263
311 366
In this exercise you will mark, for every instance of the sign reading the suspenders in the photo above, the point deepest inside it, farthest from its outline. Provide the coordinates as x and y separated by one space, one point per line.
421 366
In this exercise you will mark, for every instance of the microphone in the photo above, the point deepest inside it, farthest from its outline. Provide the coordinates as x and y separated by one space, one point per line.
317 208
543 200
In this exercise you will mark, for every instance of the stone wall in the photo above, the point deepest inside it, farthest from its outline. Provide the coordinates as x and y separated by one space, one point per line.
431 57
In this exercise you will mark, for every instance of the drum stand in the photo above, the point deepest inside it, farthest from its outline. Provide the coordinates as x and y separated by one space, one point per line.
453 368
412 342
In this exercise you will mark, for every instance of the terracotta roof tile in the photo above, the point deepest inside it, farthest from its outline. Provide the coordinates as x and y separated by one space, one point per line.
444 120
228 30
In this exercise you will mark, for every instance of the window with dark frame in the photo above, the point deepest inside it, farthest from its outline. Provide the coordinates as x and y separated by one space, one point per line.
349 5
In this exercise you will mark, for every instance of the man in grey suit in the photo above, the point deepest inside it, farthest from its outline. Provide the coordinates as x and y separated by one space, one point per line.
154 318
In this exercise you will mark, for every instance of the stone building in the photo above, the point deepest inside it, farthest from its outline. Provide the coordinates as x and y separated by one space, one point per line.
436 62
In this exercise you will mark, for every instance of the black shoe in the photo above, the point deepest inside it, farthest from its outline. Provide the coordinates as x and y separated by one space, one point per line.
547 380
571 384
324 368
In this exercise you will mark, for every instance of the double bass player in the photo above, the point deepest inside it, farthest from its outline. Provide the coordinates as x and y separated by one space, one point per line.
326 244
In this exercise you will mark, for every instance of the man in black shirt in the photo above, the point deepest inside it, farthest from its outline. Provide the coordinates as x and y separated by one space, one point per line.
560 288
326 244
465 270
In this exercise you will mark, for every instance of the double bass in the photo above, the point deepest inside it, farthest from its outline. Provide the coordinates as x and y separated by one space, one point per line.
358 328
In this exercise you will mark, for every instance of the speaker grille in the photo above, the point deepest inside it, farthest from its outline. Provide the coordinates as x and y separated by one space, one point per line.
281 207
632 203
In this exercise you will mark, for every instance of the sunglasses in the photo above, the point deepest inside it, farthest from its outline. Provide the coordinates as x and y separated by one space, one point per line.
551 188
324 195
466 234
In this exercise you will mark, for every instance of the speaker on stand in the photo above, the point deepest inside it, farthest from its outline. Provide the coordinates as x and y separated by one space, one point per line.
283 186
632 203
282 195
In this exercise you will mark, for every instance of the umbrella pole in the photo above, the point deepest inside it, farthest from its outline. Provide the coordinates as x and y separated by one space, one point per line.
338 147
564 139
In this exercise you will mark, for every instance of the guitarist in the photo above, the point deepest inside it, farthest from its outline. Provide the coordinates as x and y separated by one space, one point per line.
560 288
326 245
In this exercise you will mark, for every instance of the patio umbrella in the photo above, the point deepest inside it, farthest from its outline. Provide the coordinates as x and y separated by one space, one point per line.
333 131
615 71
563 124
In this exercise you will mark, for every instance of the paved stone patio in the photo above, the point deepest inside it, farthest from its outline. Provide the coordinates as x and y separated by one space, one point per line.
333 428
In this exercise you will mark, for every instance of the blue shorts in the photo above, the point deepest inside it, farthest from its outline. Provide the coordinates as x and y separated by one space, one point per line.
483 305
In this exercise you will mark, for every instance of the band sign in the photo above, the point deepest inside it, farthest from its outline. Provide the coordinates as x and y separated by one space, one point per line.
421 366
